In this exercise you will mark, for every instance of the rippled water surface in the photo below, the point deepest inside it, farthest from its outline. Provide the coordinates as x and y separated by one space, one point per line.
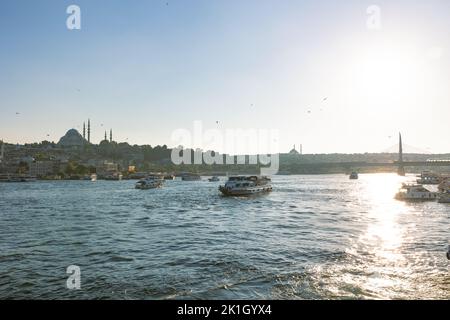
313 237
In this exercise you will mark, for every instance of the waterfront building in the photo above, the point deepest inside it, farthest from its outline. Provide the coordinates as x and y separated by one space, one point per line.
43 168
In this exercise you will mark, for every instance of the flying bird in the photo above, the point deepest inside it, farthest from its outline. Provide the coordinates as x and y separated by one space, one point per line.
325 99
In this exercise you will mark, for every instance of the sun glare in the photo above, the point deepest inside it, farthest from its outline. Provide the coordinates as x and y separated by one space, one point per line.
384 76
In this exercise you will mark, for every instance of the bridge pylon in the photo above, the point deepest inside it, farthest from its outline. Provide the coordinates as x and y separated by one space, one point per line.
401 167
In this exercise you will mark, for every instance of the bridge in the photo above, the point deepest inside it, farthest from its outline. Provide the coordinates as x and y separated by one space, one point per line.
400 164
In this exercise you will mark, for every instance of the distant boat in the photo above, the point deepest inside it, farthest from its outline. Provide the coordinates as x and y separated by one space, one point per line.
214 179
151 182
354 176
93 177
16 178
246 185
415 192
429 178
191 177
169 177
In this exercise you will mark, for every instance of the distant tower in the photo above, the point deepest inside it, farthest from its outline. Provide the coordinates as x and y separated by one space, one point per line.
110 135
84 130
301 148
106 137
89 130
401 168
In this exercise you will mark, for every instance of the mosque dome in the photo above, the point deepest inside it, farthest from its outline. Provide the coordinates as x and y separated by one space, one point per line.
72 139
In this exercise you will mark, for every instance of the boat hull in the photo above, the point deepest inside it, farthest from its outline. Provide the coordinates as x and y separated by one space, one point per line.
241 192
432 197
148 186
444 199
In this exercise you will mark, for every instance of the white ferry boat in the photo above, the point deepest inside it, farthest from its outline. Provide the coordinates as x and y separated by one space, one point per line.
151 182
415 192
246 185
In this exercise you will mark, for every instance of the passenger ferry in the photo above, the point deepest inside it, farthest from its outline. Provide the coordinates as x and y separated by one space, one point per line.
415 192
151 182
246 185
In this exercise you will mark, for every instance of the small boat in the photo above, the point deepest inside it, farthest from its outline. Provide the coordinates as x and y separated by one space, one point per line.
354 176
214 179
429 178
17 178
151 182
93 177
191 177
169 177
415 192
246 185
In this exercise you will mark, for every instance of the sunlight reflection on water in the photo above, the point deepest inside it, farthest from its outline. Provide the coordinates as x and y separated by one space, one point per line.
313 237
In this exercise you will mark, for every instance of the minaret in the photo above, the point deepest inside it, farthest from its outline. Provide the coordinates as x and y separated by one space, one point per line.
110 135
106 138
301 148
2 152
401 168
84 130
89 130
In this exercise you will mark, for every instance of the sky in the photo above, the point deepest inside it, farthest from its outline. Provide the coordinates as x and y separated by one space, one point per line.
313 71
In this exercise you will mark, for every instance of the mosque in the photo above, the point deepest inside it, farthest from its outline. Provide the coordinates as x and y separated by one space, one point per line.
74 139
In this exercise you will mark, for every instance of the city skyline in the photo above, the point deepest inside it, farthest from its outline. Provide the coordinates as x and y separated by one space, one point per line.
312 70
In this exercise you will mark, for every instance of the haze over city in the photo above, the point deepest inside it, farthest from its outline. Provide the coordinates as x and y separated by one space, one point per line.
311 69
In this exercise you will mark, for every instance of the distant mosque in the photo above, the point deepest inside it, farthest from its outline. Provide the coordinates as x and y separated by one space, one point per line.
295 152
74 139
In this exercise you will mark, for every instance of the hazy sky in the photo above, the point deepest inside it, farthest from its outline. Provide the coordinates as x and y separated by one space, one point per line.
145 69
